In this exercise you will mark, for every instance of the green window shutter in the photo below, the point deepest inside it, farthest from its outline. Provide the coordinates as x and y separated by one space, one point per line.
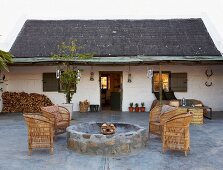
179 82
50 83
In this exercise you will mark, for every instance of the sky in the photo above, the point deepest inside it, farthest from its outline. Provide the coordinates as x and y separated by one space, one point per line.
13 13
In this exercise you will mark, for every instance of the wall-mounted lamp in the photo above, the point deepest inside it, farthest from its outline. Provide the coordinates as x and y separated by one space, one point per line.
58 72
129 76
149 73
78 75
92 74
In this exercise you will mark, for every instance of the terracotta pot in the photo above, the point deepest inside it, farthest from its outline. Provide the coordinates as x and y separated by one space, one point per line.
136 109
142 109
131 109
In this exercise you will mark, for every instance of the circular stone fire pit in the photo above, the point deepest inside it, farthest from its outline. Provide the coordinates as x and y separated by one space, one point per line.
87 138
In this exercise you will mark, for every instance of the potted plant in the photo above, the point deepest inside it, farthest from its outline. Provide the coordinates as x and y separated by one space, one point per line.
67 73
131 108
142 108
136 107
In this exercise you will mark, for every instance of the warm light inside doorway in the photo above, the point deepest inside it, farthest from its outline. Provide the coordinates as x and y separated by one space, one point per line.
104 82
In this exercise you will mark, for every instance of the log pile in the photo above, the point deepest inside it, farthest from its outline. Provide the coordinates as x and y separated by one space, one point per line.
24 102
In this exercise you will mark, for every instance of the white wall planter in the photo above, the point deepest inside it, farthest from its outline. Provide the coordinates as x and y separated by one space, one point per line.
69 107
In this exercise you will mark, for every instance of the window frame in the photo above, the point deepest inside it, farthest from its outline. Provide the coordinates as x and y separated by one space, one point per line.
163 72
180 88
43 79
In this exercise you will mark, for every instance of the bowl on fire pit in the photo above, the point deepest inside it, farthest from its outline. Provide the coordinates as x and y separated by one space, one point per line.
108 128
87 138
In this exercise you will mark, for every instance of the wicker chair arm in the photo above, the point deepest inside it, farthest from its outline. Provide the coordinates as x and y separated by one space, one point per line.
181 119
38 118
49 115
64 113
154 114
168 115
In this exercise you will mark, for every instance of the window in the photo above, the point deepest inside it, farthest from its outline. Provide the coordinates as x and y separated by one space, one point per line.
179 82
50 83
165 78
176 82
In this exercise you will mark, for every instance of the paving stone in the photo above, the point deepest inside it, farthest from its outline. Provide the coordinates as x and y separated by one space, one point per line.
206 147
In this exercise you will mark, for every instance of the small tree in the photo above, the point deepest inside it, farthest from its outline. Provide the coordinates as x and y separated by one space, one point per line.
5 58
67 54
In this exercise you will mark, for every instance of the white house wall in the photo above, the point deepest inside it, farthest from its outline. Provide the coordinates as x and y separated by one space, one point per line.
29 79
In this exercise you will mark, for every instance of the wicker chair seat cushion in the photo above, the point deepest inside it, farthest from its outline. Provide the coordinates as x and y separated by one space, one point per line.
55 111
174 103
167 108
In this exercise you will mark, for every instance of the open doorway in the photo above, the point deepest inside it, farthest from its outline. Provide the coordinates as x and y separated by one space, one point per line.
111 90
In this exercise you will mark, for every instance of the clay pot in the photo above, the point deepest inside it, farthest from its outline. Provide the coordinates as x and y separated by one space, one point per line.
142 109
131 109
136 109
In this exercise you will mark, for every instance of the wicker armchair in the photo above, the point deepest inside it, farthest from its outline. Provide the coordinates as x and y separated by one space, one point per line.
176 134
59 115
157 119
40 132
154 120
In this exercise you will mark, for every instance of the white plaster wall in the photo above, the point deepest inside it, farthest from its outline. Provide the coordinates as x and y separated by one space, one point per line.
29 79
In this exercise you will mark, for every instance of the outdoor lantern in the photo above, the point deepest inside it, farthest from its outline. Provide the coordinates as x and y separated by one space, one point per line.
91 74
58 73
78 74
129 76
149 73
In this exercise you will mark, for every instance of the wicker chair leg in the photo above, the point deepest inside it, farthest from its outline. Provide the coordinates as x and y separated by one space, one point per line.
149 135
163 151
30 151
51 151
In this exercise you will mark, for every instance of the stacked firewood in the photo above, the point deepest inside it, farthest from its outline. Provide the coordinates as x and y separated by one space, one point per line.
107 129
84 106
24 102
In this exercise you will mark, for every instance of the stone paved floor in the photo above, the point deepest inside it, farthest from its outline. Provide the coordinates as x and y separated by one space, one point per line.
206 147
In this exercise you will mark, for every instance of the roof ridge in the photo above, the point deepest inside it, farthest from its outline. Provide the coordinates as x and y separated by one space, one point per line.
149 19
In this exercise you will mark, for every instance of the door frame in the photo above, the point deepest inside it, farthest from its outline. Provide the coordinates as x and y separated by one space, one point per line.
121 86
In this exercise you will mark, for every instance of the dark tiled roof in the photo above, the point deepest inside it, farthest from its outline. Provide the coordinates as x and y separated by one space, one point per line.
172 37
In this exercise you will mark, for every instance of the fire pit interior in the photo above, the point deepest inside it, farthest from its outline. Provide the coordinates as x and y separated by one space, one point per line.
121 139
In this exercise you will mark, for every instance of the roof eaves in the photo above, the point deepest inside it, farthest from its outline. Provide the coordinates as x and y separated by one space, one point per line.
126 60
